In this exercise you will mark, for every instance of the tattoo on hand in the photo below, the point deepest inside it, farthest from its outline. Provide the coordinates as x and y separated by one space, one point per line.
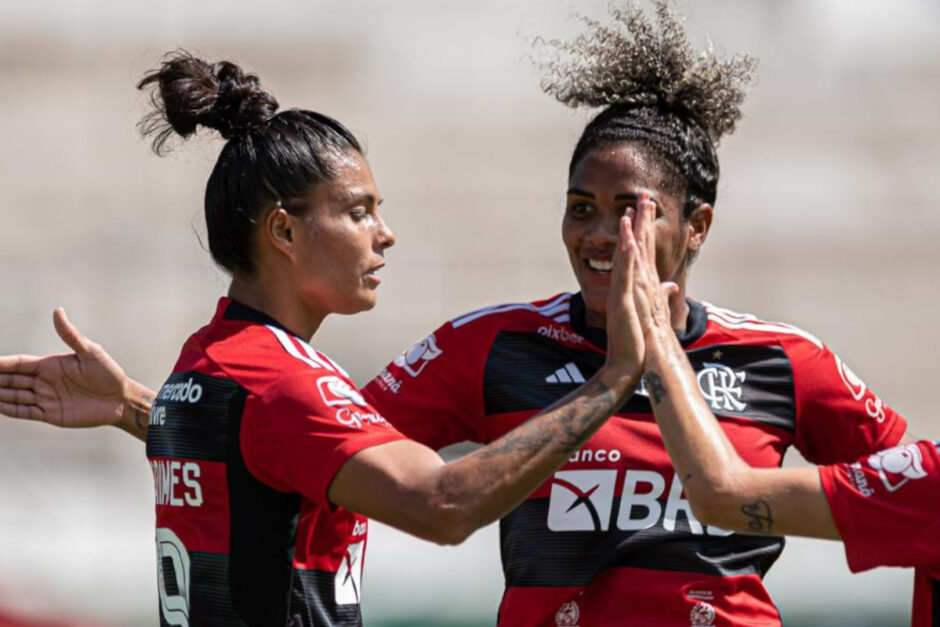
656 388
760 519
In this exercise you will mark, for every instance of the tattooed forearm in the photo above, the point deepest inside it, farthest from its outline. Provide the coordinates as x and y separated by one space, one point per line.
656 388
574 423
760 518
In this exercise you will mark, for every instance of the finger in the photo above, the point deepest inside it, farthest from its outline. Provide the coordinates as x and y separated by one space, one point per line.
17 397
67 331
26 412
649 232
669 288
17 381
19 364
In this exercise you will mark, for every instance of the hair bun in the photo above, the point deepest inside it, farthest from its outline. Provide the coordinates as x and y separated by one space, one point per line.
635 62
190 92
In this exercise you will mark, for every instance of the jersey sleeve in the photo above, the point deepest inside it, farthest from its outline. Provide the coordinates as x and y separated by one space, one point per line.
433 392
838 418
886 506
297 434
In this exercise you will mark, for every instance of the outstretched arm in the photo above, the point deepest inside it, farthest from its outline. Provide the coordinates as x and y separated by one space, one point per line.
86 388
722 488
408 486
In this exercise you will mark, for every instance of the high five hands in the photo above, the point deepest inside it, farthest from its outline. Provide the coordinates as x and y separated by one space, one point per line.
87 388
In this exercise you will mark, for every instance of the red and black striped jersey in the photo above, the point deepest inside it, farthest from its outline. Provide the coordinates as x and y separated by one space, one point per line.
887 509
244 439
610 539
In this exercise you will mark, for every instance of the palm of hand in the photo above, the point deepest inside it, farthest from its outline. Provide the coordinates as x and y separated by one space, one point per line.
79 390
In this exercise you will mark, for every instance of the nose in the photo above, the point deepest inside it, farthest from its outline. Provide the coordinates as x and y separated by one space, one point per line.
603 230
385 237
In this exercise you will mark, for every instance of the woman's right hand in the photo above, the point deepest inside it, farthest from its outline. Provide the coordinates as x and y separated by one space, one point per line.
86 388
625 346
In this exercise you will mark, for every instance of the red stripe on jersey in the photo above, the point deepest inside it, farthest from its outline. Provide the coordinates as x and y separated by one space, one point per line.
192 499
620 596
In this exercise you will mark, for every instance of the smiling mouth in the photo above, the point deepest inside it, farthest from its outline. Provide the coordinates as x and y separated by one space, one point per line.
600 265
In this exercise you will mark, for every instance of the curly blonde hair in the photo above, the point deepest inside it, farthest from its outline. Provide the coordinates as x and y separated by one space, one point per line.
655 90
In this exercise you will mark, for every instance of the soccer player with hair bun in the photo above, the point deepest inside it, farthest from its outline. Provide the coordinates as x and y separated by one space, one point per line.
266 458
609 539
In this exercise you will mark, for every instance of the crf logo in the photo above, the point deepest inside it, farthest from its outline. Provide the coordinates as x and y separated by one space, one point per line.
721 387
417 357
581 500
896 466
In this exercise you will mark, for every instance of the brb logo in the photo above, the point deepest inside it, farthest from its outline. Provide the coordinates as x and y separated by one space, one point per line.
896 466
582 500
417 357
335 392
721 387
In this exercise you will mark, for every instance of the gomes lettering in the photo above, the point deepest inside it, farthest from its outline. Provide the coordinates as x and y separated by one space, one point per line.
176 483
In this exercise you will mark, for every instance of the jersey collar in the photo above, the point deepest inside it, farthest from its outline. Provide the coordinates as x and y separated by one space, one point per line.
234 310
694 325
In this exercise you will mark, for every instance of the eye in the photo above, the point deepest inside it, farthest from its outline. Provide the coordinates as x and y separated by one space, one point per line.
359 214
579 209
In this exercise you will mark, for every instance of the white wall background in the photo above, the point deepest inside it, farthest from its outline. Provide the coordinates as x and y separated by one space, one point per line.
826 218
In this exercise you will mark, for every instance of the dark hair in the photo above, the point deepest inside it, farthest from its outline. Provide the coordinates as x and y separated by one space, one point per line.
656 92
269 159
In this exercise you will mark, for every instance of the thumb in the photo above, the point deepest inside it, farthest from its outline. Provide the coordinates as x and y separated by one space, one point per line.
669 288
67 331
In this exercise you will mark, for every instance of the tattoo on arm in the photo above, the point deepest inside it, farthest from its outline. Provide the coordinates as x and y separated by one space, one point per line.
760 518
657 389
142 413
568 430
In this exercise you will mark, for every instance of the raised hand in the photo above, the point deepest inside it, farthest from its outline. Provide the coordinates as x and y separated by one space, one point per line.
649 295
85 388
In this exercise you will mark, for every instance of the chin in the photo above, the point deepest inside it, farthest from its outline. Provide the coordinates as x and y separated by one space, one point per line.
358 306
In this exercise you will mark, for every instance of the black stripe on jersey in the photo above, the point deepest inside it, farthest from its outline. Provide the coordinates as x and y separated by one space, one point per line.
312 602
747 381
189 417
263 533
209 602
935 604
534 555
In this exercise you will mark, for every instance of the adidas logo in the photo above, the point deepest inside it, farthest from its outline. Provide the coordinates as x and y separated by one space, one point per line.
568 373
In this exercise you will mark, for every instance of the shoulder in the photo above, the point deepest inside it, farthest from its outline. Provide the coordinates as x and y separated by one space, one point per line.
746 327
555 308
263 357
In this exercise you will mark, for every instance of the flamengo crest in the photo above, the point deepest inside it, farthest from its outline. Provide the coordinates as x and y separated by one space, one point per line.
721 387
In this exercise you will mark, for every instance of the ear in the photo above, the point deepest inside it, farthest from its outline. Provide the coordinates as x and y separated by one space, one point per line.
698 225
280 231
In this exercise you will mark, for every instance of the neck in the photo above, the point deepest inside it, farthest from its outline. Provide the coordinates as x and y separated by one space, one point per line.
678 312
265 295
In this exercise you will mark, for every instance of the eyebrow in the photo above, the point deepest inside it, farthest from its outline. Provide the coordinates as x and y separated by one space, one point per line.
580 192
625 196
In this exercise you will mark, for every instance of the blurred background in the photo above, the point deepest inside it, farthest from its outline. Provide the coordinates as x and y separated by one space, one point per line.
826 219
